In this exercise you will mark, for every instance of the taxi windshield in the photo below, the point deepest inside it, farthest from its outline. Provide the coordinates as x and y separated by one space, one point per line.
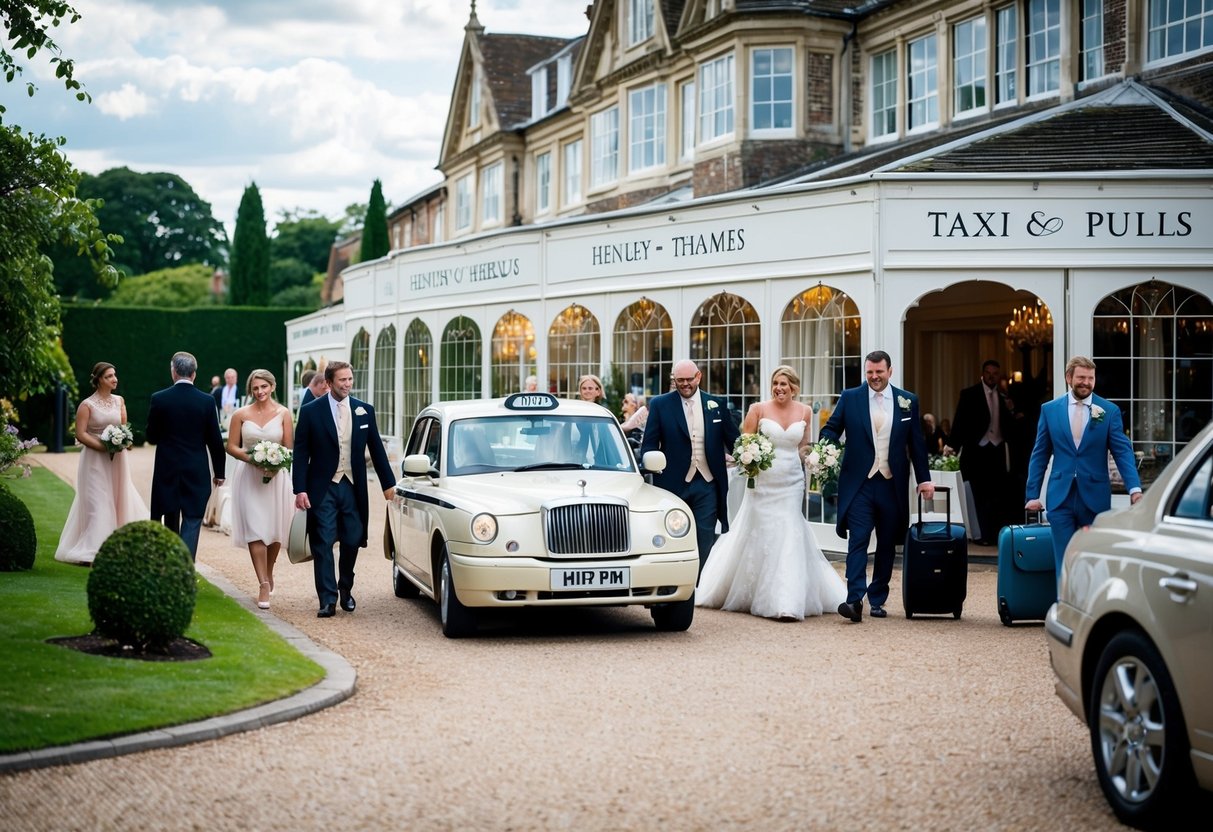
536 442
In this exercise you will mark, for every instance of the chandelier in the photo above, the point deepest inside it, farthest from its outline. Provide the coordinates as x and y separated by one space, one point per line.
1030 326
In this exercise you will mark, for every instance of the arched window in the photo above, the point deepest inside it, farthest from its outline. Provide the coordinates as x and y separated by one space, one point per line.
360 362
574 349
513 353
459 372
1153 348
644 347
385 381
819 339
725 344
416 373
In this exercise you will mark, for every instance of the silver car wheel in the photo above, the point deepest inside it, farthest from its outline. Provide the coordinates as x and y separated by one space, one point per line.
1132 729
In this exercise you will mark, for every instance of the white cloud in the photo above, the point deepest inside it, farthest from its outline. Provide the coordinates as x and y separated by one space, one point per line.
124 103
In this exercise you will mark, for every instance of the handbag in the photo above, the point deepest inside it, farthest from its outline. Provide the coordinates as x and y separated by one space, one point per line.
297 547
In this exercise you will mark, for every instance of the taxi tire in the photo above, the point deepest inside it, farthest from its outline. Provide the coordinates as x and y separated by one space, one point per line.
458 621
675 617
1130 658
401 585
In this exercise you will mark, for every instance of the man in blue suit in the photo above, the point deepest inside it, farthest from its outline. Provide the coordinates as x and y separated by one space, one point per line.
183 425
333 436
695 432
1078 430
883 438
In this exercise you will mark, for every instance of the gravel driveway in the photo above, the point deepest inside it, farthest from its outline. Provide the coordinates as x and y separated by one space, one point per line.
591 720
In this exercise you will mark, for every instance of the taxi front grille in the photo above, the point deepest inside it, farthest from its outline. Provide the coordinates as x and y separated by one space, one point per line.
587 529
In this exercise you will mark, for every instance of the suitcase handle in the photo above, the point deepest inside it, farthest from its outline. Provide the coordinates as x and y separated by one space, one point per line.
1034 518
947 493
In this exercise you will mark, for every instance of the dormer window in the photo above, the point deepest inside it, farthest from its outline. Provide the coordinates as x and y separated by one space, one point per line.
550 84
640 21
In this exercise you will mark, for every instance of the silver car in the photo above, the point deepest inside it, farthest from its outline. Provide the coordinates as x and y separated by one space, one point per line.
1131 642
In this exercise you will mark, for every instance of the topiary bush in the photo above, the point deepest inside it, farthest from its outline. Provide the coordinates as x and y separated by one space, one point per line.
141 589
18 541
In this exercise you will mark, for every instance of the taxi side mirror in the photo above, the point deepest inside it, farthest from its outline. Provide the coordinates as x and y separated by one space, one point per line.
416 465
653 462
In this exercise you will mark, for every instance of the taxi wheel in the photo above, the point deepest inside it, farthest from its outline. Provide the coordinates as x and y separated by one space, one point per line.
457 620
403 587
675 617
1138 738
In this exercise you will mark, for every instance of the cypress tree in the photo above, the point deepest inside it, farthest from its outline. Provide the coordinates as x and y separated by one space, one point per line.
374 229
250 253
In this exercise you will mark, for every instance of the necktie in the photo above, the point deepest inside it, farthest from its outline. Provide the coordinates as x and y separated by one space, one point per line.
992 403
343 418
1076 422
878 416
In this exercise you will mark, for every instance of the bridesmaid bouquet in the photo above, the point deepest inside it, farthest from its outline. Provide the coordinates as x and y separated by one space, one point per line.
822 464
117 438
272 457
753 452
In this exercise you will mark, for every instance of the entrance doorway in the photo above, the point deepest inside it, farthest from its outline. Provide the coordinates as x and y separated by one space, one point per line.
949 333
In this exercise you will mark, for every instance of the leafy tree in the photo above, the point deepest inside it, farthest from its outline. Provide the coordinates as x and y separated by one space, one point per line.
374 230
288 273
305 236
39 208
300 296
177 288
250 253
351 223
163 222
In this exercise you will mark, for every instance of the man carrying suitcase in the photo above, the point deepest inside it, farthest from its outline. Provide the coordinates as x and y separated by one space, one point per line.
884 438
1078 430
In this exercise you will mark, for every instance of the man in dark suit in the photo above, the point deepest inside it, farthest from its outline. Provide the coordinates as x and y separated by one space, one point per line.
316 387
883 439
982 431
1078 430
695 432
332 438
182 424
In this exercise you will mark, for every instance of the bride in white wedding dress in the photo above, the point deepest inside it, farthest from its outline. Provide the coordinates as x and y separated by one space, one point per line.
768 563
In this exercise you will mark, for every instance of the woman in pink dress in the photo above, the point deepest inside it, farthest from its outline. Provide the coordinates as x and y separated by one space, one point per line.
105 496
261 511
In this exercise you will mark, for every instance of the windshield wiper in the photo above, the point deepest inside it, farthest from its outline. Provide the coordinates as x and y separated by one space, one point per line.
551 466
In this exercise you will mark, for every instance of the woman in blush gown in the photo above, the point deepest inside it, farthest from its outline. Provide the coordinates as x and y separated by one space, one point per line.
105 496
768 563
261 511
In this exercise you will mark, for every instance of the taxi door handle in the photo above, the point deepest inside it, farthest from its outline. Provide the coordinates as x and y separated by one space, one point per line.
1181 587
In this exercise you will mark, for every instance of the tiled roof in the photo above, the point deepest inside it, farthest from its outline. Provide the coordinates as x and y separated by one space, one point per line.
854 9
1097 138
506 60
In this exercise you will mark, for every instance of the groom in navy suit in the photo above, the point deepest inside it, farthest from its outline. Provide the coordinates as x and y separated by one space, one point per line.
1078 430
883 439
695 432
333 436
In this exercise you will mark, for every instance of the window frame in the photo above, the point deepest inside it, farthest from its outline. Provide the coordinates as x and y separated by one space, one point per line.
927 76
543 182
491 179
658 116
889 86
1006 56
1090 24
572 174
464 202
977 56
722 93
1164 26
791 75
604 147
689 121
638 34
1046 66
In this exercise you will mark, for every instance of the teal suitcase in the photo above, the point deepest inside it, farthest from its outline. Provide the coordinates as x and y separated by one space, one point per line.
1027 580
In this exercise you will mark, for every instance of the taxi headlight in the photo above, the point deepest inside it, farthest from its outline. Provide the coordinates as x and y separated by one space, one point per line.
484 527
677 523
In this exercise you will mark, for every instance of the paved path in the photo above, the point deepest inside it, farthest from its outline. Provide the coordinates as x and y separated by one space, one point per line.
591 720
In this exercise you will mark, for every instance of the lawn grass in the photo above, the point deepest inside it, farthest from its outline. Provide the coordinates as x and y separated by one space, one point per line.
51 695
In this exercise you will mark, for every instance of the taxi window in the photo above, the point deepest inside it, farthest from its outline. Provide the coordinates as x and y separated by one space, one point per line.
535 441
417 437
433 442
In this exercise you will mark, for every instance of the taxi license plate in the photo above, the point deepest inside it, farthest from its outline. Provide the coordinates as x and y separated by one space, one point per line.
591 577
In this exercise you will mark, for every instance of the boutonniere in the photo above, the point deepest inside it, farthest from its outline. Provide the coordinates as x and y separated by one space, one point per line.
903 403
712 405
360 411
1097 413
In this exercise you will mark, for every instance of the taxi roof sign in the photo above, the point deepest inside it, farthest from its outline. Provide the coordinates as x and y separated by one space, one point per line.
531 401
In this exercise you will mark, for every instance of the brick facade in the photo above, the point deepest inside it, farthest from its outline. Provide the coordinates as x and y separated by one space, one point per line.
820 86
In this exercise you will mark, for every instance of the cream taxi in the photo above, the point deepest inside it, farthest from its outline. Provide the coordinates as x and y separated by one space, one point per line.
532 500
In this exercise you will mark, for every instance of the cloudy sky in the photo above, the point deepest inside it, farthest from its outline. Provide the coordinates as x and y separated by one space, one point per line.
310 99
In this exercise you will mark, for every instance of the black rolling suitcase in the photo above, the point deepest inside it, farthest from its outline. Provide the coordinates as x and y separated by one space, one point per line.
935 565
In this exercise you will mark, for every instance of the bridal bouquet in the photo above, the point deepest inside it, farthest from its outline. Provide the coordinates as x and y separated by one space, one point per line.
117 438
822 464
753 452
270 456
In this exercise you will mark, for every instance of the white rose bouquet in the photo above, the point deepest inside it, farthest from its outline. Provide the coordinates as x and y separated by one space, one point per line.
117 438
822 464
753 452
271 458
